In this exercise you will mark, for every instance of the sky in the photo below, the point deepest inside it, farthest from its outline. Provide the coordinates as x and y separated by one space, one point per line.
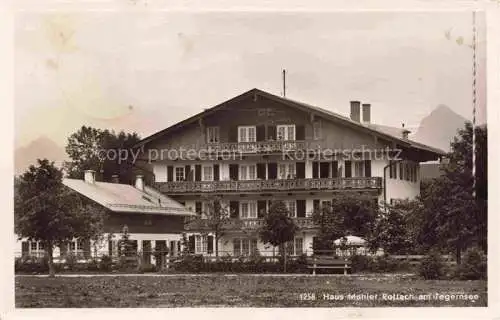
144 71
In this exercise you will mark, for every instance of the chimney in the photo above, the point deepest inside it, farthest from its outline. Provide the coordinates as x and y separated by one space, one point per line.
405 134
139 182
355 110
366 112
89 176
115 178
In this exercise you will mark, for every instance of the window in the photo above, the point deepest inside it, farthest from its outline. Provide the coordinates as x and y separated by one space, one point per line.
286 132
326 203
292 208
244 246
247 134
179 174
213 134
208 173
393 173
248 172
201 244
401 169
248 209
299 246
359 168
317 130
33 245
286 170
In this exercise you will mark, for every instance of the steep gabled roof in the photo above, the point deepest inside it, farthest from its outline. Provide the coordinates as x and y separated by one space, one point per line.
126 198
332 116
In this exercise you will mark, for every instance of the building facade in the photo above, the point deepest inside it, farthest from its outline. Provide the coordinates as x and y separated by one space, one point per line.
258 147
153 222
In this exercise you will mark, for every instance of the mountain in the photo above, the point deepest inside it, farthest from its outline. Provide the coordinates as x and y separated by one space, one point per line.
39 148
439 127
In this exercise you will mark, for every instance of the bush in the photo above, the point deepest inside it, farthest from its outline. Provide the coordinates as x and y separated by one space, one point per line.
190 263
106 263
432 266
70 261
473 266
385 264
361 263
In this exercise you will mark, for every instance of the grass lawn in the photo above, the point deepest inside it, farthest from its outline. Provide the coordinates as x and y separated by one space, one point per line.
243 291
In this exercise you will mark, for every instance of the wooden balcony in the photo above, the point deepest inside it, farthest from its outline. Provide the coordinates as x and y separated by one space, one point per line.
269 146
244 224
269 185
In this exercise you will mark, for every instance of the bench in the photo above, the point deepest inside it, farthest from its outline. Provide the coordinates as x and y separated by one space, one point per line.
328 262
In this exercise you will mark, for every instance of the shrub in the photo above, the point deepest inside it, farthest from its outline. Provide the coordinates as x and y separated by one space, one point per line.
473 266
432 266
70 261
106 263
384 264
361 263
190 263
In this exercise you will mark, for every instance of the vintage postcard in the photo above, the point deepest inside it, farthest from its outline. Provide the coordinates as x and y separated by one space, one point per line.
251 158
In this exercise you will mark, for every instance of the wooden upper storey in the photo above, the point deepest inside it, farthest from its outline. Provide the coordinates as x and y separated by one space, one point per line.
257 122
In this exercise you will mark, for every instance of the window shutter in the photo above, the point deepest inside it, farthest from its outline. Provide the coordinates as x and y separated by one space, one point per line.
300 170
210 244
300 133
233 172
110 248
368 168
198 207
316 204
261 133
234 209
216 172
261 171
170 173
86 248
233 134
335 169
272 170
25 248
301 208
271 133
197 172
236 247
261 208
187 173
191 244
315 169
348 168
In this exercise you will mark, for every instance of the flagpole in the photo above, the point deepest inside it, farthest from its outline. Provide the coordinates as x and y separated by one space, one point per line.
474 102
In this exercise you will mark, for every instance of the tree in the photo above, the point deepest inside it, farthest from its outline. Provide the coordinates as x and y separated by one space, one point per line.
278 228
396 230
45 210
452 218
106 152
215 219
348 214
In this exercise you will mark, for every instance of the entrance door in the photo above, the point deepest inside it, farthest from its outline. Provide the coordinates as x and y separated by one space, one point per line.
146 251
161 251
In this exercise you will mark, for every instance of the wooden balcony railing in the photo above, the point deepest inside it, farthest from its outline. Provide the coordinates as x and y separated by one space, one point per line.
257 146
269 185
244 224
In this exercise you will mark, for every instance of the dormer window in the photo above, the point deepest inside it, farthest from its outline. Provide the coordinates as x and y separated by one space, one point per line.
286 132
213 135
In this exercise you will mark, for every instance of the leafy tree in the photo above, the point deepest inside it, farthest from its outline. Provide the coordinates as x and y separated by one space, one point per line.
396 230
215 219
278 228
452 218
106 152
45 210
348 214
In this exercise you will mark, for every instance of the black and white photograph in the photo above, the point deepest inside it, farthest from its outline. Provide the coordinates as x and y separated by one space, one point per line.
246 158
